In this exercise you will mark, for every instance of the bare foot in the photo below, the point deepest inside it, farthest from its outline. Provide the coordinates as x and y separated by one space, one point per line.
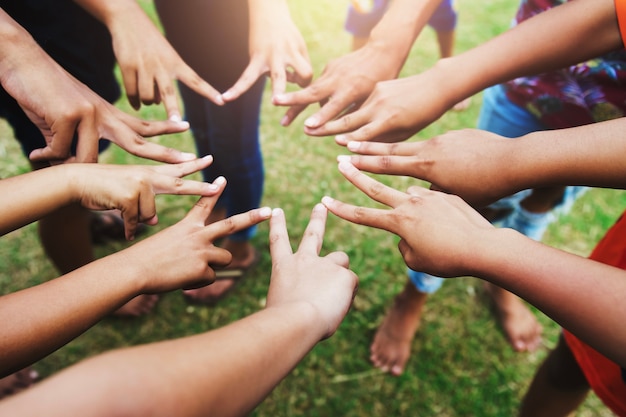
462 105
244 256
518 323
391 348
17 382
138 306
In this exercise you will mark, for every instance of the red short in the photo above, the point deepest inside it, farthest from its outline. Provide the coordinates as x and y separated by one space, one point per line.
603 375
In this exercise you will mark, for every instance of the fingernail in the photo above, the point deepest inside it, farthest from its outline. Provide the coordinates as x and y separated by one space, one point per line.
212 187
354 145
341 139
284 121
277 212
219 180
188 156
207 157
312 121
227 95
182 123
344 165
327 200
279 98
175 118
344 158
265 212
219 100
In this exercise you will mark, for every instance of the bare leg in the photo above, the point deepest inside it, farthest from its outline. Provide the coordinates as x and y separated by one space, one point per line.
391 348
518 323
358 42
19 381
558 387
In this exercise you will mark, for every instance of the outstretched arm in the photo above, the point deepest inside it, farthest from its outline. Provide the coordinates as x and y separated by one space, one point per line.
399 108
38 320
482 167
128 188
350 79
225 372
149 64
581 295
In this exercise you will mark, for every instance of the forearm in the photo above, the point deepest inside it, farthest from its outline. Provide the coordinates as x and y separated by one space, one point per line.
589 155
225 372
540 44
396 32
32 195
582 295
38 320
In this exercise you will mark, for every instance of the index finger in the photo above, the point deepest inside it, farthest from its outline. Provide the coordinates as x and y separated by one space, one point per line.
372 188
314 232
238 222
192 80
250 75
279 238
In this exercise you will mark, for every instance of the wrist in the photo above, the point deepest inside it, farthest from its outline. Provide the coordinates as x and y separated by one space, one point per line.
305 315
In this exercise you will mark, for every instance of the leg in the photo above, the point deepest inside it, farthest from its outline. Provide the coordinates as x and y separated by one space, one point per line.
391 347
231 132
500 116
558 387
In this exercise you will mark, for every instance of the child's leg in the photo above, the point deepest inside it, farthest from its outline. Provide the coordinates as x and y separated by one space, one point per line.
391 347
558 387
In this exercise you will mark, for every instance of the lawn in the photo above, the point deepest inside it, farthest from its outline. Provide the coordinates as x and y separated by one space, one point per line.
461 363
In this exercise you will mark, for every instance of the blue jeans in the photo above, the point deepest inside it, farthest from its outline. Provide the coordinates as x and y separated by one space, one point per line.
211 36
499 115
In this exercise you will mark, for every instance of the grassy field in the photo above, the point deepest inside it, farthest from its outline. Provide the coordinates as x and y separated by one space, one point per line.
461 363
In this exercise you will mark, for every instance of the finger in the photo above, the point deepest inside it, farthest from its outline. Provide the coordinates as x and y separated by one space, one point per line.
192 80
167 93
59 146
314 93
314 232
184 168
146 211
379 148
146 87
250 75
200 212
220 258
279 238
130 215
359 215
87 146
129 75
238 222
372 188
279 78
347 123
391 165
330 110
339 258
302 71
291 114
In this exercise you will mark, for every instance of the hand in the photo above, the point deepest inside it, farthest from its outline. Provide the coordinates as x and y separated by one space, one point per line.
132 188
276 47
470 163
394 111
149 64
183 255
326 283
60 106
345 84
439 232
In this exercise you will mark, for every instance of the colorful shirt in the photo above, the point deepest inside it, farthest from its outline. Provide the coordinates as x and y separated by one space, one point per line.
593 91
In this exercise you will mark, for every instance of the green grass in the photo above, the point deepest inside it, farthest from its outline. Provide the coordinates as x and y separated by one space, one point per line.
461 364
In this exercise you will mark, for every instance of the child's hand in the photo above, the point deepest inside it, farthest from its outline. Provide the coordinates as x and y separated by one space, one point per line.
304 277
470 163
440 234
183 255
132 188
